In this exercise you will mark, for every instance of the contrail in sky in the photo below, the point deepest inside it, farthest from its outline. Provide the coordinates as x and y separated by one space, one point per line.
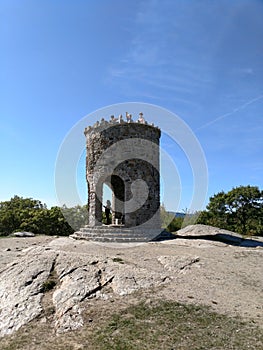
232 112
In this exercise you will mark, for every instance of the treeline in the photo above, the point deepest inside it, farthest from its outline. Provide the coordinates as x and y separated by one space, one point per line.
239 210
169 221
27 214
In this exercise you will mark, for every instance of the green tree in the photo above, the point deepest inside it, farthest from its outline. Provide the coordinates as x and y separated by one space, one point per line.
17 211
244 206
239 210
166 217
190 218
27 214
169 221
175 224
57 224
77 216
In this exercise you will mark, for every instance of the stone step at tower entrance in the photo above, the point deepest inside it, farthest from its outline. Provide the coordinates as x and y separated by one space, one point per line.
124 155
116 234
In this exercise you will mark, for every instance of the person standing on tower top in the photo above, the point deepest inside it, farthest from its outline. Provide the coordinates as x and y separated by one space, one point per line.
128 117
141 118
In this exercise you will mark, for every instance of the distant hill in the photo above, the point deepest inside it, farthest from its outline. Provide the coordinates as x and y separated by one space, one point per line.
177 214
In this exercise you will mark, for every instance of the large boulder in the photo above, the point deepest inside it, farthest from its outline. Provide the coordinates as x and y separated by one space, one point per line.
206 231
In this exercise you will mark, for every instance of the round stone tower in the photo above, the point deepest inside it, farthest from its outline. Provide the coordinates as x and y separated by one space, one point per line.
124 156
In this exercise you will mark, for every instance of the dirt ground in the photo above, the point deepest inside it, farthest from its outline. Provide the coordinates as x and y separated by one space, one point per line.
227 278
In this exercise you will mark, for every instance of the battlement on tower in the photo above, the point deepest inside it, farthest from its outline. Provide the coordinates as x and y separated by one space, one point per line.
113 121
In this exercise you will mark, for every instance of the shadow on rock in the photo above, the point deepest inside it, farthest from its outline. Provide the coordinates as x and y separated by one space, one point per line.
225 238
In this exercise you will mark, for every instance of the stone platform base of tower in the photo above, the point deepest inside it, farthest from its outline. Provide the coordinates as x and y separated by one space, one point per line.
115 233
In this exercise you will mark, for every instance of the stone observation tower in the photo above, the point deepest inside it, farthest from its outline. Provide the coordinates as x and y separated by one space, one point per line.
124 155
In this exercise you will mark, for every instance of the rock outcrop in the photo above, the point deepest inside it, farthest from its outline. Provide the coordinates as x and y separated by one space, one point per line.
21 288
71 279
218 234
57 281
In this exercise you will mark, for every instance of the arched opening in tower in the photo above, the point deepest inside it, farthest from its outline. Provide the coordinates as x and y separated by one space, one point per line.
113 197
118 198
107 196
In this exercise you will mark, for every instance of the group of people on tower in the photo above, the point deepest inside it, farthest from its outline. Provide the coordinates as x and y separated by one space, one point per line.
141 119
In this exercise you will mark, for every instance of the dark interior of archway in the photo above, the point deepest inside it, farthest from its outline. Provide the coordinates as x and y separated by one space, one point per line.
117 186
118 189
141 169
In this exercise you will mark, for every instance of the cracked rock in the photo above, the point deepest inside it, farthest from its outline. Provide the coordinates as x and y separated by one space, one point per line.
129 278
21 285
70 279
177 264
81 283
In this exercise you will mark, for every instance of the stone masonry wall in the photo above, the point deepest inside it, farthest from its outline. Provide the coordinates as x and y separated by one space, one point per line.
125 156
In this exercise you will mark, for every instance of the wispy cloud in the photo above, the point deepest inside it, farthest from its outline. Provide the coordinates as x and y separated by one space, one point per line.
228 114
158 57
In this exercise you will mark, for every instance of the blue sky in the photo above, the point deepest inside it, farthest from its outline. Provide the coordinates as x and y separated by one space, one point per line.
62 60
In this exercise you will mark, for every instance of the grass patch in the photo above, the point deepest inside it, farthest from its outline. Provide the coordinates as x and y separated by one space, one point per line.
161 325
51 282
169 325
48 285
118 260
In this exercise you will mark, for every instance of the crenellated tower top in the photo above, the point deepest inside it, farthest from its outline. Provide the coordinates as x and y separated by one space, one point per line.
119 120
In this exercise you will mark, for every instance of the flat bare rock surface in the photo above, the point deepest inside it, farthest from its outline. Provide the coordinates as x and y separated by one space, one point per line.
68 277
215 233
204 230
